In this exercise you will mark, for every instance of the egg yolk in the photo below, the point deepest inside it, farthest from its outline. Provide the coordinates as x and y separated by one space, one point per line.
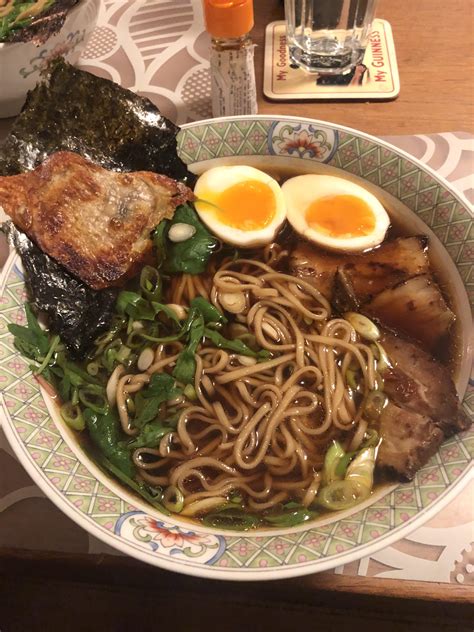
247 205
341 216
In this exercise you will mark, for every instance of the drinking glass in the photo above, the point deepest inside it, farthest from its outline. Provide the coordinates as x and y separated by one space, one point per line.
328 36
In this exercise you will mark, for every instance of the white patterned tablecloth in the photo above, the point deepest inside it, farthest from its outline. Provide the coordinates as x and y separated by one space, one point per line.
159 49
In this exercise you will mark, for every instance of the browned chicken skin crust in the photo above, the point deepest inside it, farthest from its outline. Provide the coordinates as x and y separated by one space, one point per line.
95 222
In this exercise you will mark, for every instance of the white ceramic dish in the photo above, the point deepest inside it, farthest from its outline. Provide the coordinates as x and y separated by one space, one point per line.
52 457
21 62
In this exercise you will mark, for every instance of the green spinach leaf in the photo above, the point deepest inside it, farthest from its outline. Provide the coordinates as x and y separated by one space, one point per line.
210 313
151 434
150 494
185 368
31 341
190 256
292 514
106 433
161 388
236 345
232 518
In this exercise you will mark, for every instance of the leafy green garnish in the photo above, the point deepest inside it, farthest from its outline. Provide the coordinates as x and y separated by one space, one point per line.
140 308
150 494
185 368
292 514
189 256
236 345
343 463
332 458
231 517
106 433
31 341
151 434
160 389
210 313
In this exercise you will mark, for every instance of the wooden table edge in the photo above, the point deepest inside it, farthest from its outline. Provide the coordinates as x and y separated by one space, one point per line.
104 569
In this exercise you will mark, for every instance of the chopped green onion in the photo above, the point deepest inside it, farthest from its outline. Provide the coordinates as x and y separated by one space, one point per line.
75 397
122 353
55 340
363 325
93 399
353 379
135 339
108 336
110 354
72 415
383 361
190 392
93 368
371 438
361 470
341 495
374 405
150 283
341 467
334 454
173 499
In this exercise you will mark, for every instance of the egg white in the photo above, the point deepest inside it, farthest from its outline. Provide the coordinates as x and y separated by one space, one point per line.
215 181
300 192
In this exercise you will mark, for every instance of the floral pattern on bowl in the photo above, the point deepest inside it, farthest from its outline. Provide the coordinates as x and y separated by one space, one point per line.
22 62
66 48
121 520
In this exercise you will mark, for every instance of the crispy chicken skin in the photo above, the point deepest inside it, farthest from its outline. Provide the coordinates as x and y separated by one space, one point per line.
95 222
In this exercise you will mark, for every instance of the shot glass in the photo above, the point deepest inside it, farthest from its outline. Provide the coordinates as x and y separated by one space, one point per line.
328 36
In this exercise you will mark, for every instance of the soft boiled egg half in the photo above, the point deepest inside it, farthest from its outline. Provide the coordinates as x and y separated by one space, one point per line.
335 213
242 205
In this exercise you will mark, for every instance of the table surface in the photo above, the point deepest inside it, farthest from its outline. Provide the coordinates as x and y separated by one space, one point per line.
436 95
435 51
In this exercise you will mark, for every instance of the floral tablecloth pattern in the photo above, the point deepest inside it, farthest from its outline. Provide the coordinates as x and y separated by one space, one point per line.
159 49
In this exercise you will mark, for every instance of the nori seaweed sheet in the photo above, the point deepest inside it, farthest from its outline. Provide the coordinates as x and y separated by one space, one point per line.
75 311
74 110
46 24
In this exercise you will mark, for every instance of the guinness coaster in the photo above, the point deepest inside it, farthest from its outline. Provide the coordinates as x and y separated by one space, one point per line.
376 78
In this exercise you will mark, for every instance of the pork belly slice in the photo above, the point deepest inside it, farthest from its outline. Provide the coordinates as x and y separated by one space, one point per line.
420 384
409 439
309 262
415 308
375 271
93 221
368 273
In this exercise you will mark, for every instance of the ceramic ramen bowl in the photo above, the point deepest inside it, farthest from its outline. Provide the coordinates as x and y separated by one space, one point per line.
22 62
414 195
